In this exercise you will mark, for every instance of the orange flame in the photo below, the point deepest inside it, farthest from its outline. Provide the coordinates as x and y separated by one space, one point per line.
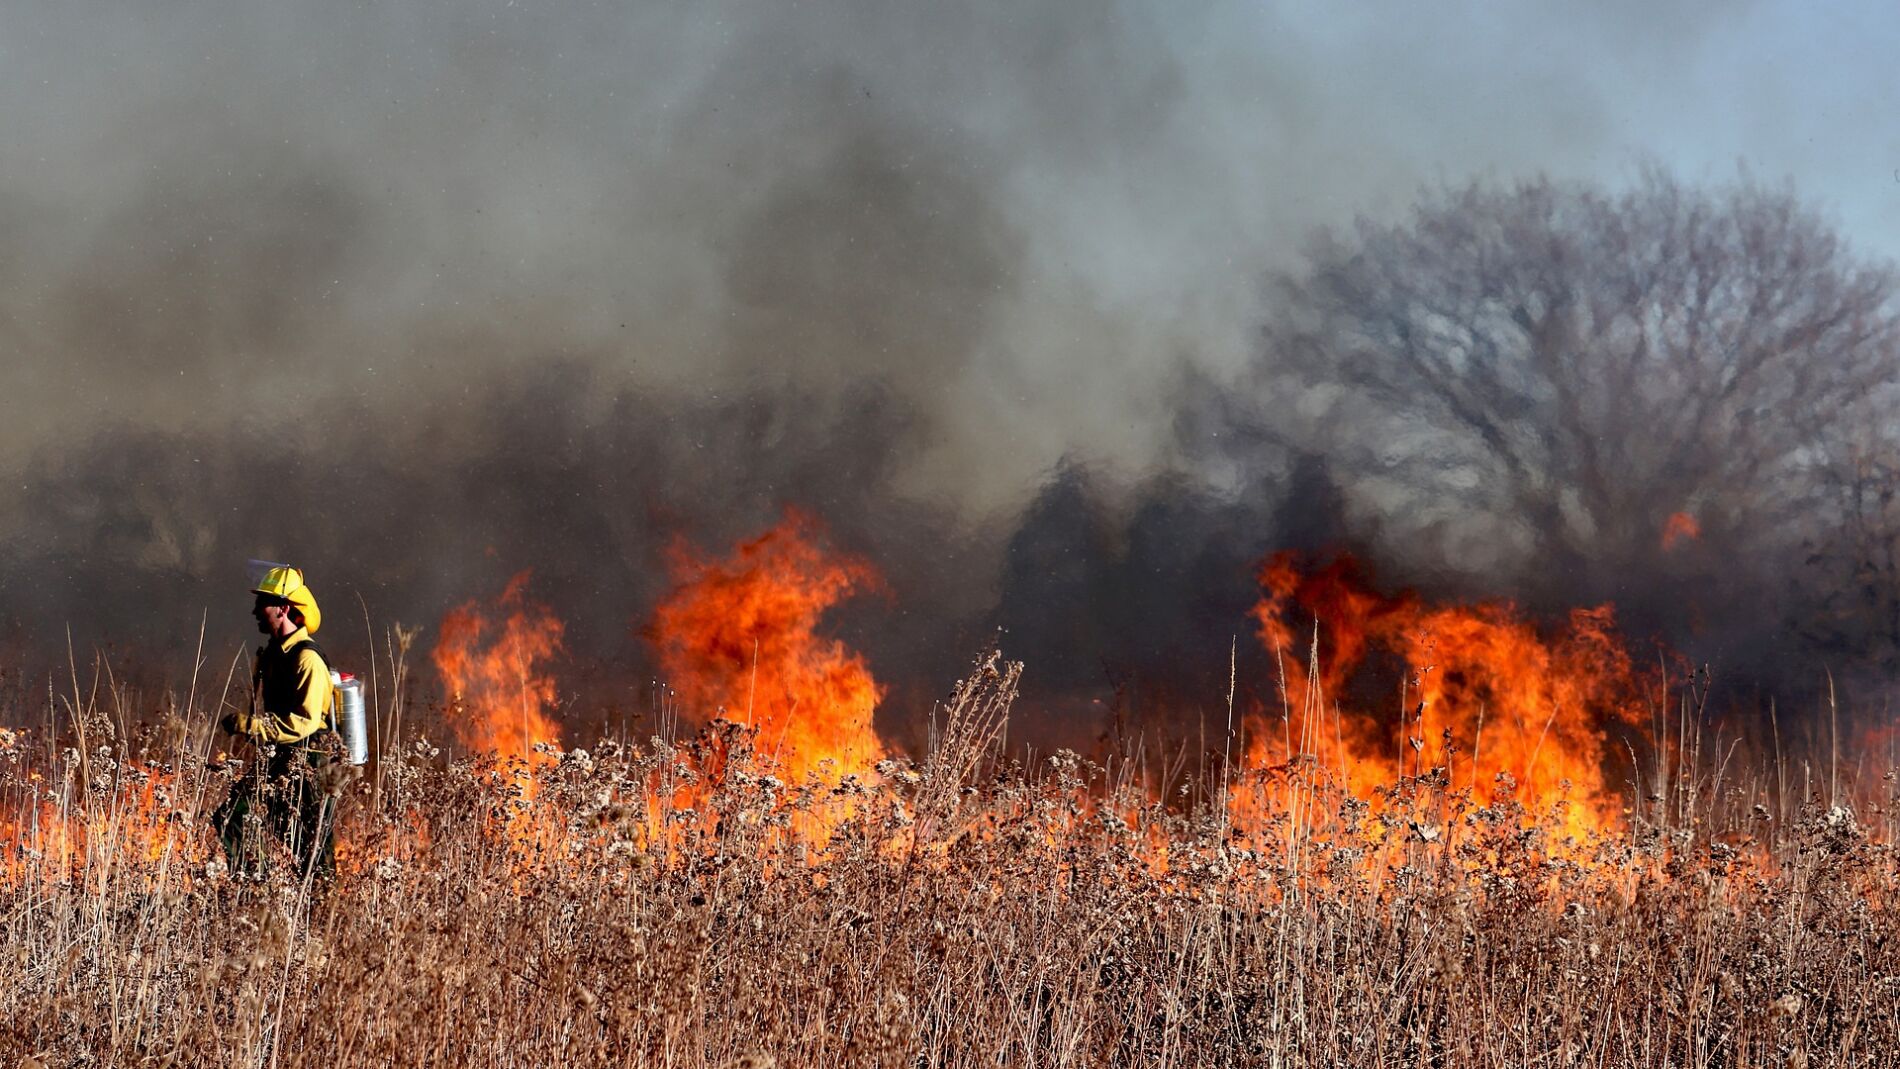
1680 527
496 676
136 819
1499 707
738 638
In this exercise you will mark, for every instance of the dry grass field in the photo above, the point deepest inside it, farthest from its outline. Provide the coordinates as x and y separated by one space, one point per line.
669 905
1540 855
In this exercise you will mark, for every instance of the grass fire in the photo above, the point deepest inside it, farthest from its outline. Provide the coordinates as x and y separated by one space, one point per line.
1452 871
948 535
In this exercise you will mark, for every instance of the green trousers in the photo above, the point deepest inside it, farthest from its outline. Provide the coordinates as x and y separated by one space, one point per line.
280 802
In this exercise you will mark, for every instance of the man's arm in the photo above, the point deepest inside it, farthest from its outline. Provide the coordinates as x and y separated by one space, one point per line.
294 725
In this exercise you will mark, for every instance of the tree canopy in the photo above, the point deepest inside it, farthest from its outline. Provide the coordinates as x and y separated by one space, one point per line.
1577 366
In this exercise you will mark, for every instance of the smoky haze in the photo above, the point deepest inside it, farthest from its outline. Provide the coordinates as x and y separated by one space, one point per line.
1019 216
422 294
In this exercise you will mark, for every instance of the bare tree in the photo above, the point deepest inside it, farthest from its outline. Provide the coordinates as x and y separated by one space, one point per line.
1577 366
1852 564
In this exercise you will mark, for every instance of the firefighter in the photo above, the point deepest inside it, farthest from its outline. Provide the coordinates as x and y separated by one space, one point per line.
283 795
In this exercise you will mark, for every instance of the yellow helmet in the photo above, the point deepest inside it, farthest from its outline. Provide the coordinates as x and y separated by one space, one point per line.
282 581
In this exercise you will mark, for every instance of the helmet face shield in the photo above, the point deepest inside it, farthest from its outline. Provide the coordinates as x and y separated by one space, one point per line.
256 571
280 581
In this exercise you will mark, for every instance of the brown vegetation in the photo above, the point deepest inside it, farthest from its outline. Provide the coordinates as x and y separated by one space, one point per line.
965 911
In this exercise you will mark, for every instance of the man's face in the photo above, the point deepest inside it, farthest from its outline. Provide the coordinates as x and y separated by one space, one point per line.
269 613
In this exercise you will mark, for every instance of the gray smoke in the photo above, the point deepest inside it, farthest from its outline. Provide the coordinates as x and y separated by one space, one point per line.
428 293
1021 217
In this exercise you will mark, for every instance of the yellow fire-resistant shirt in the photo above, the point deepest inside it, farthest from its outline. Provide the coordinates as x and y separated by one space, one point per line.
290 701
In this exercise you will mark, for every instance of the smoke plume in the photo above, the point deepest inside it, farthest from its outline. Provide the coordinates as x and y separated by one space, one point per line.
422 296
